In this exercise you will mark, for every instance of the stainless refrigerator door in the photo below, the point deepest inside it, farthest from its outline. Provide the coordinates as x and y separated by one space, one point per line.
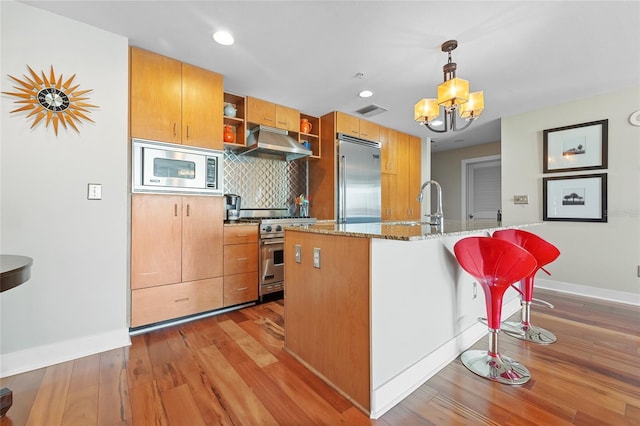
359 198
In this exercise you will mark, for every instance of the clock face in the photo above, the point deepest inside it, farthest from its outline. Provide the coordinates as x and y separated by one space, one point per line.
53 99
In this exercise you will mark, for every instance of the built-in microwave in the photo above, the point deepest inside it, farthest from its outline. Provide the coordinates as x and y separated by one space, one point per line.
165 167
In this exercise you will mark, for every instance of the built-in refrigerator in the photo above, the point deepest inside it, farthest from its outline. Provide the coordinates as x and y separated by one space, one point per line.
358 198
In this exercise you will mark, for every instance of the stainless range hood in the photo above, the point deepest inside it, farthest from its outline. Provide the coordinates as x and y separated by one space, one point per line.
274 143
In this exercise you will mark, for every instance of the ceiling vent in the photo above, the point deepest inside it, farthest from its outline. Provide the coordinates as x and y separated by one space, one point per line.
371 110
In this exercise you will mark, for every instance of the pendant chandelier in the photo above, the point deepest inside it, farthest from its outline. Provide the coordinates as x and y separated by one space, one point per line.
453 95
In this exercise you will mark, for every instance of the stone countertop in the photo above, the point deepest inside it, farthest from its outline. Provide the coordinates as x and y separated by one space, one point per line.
406 231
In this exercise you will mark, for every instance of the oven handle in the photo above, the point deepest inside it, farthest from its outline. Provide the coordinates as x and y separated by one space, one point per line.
273 241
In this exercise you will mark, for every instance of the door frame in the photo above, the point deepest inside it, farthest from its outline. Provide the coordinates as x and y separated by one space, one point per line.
464 164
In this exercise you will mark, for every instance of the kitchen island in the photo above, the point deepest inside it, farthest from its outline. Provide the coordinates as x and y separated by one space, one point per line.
376 309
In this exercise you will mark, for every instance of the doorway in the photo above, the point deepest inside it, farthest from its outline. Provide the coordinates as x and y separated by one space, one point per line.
481 188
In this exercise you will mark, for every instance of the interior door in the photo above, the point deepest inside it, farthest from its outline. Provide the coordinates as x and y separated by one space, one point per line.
484 190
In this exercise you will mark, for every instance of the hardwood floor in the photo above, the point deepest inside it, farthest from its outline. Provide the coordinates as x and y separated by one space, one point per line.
231 370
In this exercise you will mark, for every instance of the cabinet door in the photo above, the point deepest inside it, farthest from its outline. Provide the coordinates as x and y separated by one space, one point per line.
202 237
155 97
240 288
347 124
156 227
389 156
239 258
287 118
261 112
389 190
202 103
403 192
415 166
369 131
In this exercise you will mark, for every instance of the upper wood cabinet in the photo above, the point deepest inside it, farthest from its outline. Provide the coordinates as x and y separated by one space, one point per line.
174 102
354 126
389 153
269 114
400 188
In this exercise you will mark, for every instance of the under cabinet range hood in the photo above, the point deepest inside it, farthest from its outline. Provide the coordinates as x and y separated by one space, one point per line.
271 142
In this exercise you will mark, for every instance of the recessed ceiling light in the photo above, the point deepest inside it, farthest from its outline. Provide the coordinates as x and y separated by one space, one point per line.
223 37
365 94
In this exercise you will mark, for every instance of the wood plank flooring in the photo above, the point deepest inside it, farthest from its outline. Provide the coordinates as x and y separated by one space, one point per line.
231 370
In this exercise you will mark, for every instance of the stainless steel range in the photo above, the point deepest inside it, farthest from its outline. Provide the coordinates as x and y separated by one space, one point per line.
271 255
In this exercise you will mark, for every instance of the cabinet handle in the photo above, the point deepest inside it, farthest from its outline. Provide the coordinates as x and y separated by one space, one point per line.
242 259
284 123
174 129
187 210
175 210
268 119
187 132
241 235
184 299
242 288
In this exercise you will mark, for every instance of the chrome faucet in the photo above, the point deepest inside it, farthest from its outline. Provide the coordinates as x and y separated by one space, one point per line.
438 217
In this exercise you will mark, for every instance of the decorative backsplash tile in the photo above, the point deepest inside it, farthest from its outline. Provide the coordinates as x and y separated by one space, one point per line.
264 182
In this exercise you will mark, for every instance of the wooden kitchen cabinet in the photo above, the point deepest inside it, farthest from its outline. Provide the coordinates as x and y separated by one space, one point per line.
237 124
174 102
389 150
175 240
313 137
354 126
267 113
155 304
400 190
240 264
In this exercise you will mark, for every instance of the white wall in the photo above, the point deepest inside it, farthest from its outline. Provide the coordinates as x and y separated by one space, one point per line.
599 259
446 168
76 300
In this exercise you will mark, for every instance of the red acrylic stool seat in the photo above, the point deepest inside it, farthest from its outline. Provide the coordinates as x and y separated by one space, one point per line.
544 253
496 265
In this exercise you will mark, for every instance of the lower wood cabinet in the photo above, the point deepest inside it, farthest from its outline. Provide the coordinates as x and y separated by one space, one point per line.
155 304
240 264
176 256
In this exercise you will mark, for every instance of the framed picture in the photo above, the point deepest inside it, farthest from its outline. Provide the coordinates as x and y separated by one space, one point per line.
578 147
580 198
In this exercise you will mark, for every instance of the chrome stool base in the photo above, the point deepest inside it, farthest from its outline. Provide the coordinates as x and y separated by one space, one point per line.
498 368
530 333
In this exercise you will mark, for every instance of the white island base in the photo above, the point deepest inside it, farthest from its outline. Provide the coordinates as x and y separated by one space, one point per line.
382 314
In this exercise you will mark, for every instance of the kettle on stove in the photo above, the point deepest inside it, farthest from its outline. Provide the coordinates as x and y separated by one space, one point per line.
232 206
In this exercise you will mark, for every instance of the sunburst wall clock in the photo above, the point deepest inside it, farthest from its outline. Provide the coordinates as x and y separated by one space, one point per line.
51 99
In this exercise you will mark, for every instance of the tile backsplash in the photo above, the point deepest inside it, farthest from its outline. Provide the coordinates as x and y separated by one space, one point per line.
264 182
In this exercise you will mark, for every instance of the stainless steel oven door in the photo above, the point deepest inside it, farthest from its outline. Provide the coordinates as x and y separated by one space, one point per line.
271 264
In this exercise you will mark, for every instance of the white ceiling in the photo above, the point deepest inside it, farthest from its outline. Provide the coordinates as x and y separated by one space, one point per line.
524 55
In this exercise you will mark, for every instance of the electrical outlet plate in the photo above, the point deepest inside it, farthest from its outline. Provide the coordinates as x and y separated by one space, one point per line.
94 191
316 257
520 199
298 252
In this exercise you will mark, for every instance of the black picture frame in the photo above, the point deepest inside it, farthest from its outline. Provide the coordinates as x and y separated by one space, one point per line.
578 147
578 198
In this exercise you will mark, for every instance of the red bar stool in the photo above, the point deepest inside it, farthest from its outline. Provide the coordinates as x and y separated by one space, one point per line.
544 253
496 265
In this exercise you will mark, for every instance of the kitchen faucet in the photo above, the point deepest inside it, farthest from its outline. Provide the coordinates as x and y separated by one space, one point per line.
437 216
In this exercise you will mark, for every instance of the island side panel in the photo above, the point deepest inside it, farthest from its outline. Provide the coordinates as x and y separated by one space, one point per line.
327 310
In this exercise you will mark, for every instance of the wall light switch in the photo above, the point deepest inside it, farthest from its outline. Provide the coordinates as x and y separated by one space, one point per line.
520 199
298 253
316 257
94 192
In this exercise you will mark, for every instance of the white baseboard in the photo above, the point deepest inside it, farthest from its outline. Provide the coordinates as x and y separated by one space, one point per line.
587 291
395 390
43 356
